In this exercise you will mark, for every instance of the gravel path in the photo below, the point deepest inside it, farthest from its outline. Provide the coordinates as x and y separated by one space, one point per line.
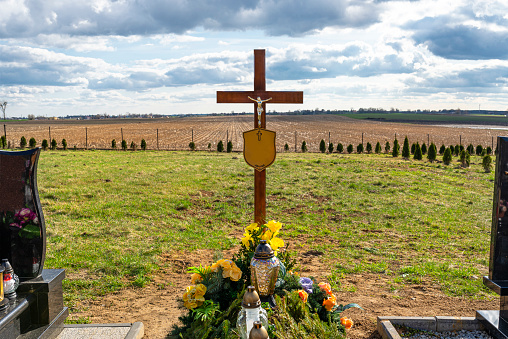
452 335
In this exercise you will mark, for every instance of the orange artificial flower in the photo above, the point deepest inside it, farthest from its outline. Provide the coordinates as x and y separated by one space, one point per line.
329 302
346 322
303 295
325 287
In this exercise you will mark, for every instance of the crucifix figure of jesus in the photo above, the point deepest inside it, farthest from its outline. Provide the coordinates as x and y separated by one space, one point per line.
274 97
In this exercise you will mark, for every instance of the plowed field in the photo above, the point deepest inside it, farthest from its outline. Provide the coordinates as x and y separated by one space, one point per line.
177 133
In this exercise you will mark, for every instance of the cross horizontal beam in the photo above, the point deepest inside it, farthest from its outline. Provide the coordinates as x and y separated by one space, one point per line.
241 97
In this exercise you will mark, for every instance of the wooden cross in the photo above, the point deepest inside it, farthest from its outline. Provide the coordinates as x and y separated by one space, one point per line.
276 98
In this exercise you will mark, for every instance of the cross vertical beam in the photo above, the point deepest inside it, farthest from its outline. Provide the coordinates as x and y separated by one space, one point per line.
259 176
295 97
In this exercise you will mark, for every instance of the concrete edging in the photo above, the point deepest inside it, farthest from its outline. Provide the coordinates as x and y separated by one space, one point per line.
136 330
437 324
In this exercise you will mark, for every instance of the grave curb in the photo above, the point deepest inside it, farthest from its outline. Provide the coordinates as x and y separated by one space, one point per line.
438 324
136 331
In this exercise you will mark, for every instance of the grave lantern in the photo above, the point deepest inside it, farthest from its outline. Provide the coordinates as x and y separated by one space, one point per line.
251 312
258 331
10 281
264 268
4 303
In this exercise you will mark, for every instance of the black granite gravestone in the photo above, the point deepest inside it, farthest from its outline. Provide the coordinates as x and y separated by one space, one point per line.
496 322
37 311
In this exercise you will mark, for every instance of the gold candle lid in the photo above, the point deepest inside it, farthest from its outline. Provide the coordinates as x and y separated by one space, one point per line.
251 298
263 251
258 331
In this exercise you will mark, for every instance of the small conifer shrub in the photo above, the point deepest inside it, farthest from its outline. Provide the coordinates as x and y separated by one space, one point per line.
442 149
456 150
479 150
304 146
340 148
192 146
387 147
124 145
424 149
413 148
470 149
489 150
452 149
64 144
350 148
359 148
22 142
432 154
396 148
405 149
3 141
369 148
322 146
378 148
209 146
44 144
465 159
447 156
487 163
143 144
53 144
113 144
220 146
418 152
229 147
32 143
133 145
330 148
286 147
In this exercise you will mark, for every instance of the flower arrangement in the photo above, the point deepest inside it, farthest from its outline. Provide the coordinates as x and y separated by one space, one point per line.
214 297
24 222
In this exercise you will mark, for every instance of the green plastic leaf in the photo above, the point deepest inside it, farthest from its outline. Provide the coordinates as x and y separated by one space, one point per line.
30 231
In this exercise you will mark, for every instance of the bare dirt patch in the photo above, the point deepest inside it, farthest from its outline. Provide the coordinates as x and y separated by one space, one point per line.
156 305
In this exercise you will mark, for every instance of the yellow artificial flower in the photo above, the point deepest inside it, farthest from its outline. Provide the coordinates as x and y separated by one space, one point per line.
195 278
275 243
200 290
246 240
235 273
194 296
267 235
274 226
252 227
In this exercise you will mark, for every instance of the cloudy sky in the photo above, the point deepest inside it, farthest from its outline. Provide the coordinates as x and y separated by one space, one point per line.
61 57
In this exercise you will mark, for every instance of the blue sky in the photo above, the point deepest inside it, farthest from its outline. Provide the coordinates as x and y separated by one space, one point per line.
62 58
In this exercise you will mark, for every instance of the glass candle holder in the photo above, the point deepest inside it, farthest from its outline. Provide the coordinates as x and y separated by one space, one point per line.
10 280
264 269
251 312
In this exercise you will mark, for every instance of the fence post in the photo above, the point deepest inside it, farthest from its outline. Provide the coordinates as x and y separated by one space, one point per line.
362 138
121 131
86 137
428 140
460 140
5 132
49 135
157 139
296 149
193 135
328 138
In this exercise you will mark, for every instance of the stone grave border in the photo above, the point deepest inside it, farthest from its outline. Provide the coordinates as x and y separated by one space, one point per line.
437 324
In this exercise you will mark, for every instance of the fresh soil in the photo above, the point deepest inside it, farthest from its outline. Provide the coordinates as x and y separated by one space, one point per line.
157 305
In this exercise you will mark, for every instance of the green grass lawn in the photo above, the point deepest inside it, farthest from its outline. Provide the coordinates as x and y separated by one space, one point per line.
111 214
